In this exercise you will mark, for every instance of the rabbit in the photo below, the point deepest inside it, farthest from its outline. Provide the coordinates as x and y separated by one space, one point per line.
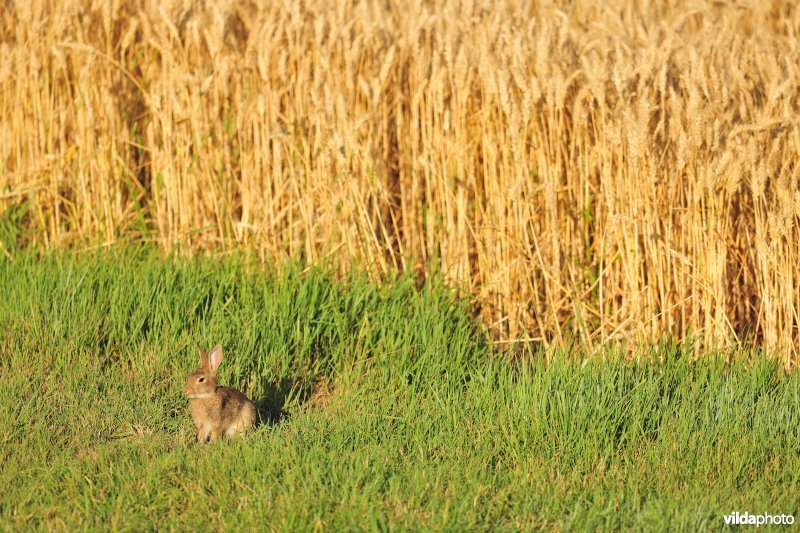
216 410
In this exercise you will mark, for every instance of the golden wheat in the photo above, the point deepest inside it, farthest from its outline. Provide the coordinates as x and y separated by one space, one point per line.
589 170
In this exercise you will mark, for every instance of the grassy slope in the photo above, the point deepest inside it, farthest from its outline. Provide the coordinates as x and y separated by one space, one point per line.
389 408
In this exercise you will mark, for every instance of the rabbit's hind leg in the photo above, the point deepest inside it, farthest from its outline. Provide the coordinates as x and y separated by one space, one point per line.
202 435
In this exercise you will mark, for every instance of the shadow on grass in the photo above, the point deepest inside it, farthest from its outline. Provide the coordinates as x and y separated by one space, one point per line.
271 406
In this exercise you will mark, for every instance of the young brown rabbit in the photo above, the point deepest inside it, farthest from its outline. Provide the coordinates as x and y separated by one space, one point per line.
216 410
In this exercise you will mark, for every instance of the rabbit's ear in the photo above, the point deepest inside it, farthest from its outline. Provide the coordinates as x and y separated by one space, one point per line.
215 357
203 358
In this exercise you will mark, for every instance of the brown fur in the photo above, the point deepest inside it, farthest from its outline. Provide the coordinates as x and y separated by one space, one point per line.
216 410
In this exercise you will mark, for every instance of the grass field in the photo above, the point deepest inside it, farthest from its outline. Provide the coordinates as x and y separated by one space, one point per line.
444 244
382 406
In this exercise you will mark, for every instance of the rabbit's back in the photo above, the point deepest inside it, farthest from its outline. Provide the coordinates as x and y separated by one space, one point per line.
236 408
226 411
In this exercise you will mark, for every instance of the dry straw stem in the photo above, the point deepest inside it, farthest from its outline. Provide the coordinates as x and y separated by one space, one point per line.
590 170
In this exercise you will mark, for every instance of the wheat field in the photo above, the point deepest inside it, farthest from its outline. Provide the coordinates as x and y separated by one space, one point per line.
592 171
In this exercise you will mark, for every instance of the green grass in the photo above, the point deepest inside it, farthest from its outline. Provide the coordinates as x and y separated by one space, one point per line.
383 407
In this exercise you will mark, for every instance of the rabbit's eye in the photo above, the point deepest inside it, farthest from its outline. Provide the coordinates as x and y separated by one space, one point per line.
201 380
